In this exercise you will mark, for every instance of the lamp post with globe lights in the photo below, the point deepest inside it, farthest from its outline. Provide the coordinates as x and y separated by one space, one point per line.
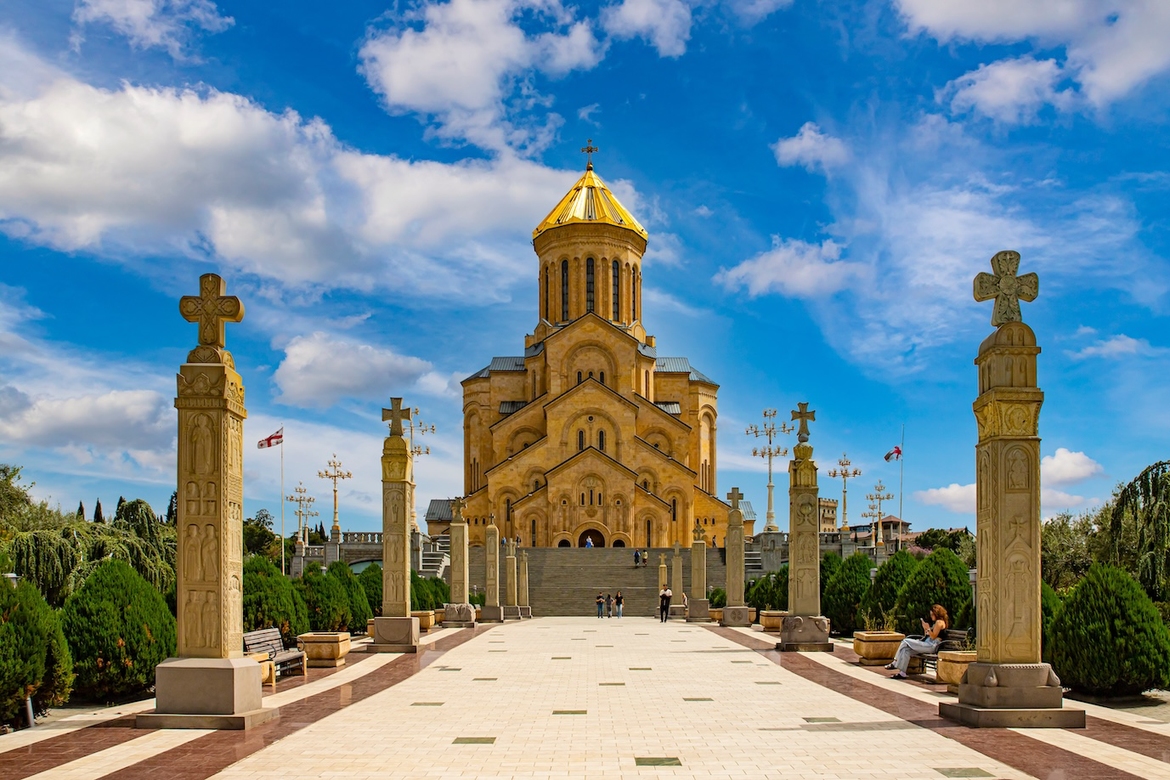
771 431
846 474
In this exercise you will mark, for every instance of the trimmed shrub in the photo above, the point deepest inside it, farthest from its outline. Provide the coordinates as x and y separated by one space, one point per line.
272 601
1050 604
844 593
359 604
429 593
371 580
119 628
883 592
965 617
441 590
1107 637
830 563
326 601
34 658
718 598
477 599
770 591
941 578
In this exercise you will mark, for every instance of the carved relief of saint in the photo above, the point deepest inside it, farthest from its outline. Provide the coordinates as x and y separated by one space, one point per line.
192 620
209 554
210 621
1017 470
210 500
192 496
202 446
192 569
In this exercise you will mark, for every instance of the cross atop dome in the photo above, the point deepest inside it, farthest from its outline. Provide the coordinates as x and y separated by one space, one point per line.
588 149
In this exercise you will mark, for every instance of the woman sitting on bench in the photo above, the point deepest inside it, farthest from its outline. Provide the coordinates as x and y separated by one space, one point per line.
926 644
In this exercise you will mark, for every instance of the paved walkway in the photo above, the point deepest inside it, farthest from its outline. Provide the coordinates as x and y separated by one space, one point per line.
589 698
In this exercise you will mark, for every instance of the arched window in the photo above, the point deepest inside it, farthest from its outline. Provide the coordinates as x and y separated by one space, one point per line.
601 440
580 440
674 509
546 299
649 539
532 539
508 510
582 499
617 290
564 290
599 498
536 485
634 296
589 284
579 375
646 484
603 377
646 391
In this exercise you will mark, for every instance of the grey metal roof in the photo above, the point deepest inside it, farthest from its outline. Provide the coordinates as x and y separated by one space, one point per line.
680 365
508 407
483 373
647 350
507 364
748 512
439 510
670 407
535 349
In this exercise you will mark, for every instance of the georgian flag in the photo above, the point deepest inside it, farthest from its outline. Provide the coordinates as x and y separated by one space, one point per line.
894 454
278 438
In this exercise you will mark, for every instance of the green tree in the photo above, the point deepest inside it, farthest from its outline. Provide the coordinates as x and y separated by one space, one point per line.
326 600
119 629
845 592
941 578
172 516
258 536
371 580
13 496
830 563
770 591
889 579
81 510
1066 549
932 538
34 658
1108 638
359 604
1147 500
271 600
98 517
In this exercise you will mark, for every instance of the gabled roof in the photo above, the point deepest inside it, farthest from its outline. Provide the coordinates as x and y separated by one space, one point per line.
590 202
587 452
510 363
439 510
680 365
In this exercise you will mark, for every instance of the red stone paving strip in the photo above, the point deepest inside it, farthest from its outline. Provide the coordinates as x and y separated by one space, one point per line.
203 757
50 753
1008 747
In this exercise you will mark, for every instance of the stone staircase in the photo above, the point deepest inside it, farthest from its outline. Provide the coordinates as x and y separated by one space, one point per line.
565 581
436 561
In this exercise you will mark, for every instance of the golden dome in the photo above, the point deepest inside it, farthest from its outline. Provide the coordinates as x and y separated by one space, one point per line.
590 202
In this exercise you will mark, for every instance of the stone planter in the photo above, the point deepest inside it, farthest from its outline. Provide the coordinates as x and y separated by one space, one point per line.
716 613
876 648
440 616
754 614
370 627
952 664
426 619
771 619
324 649
478 614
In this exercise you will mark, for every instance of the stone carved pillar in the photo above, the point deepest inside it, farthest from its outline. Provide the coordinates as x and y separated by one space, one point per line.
459 613
492 612
1008 686
210 684
662 571
676 570
804 629
698 606
396 631
522 596
511 587
735 612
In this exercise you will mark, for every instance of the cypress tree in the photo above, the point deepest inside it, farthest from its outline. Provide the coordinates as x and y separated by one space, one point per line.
81 510
97 512
118 508
173 508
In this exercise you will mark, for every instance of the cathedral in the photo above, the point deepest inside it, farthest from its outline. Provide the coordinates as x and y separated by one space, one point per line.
589 437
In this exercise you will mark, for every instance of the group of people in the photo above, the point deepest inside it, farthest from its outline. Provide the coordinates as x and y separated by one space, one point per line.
641 558
607 603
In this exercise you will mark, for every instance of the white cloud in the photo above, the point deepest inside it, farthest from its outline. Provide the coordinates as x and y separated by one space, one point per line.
794 268
164 24
1009 91
665 24
954 497
811 149
119 419
1112 46
1065 467
463 63
585 113
320 369
1115 347
752 11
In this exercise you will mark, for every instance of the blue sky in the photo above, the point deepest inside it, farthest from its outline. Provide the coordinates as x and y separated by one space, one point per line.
821 181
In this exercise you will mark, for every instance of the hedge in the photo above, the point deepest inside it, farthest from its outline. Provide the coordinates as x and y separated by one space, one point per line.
119 629
359 605
1050 604
1108 638
844 593
883 593
429 593
326 600
371 580
718 598
830 563
271 600
34 657
941 578
770 591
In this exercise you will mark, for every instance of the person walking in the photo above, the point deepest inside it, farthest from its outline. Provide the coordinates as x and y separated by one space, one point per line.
663 605
608 605
637 558
600 603
645 557
617 600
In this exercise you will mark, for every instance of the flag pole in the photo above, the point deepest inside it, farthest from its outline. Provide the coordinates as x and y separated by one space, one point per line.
282 569
901 477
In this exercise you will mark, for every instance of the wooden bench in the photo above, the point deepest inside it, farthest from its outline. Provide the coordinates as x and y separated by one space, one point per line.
953 639
267 641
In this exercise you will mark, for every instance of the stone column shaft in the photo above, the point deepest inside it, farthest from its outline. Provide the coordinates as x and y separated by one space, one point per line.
459 571
397 498
735 563
804 629
662 571
676 571
698 569
492 566
522 596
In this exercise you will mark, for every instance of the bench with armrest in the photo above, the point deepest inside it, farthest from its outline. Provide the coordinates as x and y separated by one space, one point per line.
267 641
952 639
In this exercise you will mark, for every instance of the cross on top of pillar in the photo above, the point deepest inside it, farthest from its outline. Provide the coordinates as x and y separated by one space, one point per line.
395 414
457 505
1006 288
697 531
734 497
804 415
211 309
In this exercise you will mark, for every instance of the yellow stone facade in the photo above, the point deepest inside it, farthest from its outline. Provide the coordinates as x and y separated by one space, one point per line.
590 434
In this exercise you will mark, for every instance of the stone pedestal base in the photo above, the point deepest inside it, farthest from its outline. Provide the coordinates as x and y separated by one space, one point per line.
736 616
395 635
698 611
677 612
526 612
207 693
490 614
511 613
1011 696
458 616
804 634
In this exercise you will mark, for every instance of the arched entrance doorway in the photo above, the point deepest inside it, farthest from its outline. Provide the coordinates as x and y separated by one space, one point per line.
591 535
618 543
564 543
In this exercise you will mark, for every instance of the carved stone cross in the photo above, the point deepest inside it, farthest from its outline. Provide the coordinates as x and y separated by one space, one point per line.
457 510
1006 288
804 415
395 414
211 309
697 532
734 497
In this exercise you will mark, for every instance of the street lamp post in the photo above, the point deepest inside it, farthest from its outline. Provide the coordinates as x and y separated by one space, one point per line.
845 473
335 475
304 510
770 431
879 495
423 429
